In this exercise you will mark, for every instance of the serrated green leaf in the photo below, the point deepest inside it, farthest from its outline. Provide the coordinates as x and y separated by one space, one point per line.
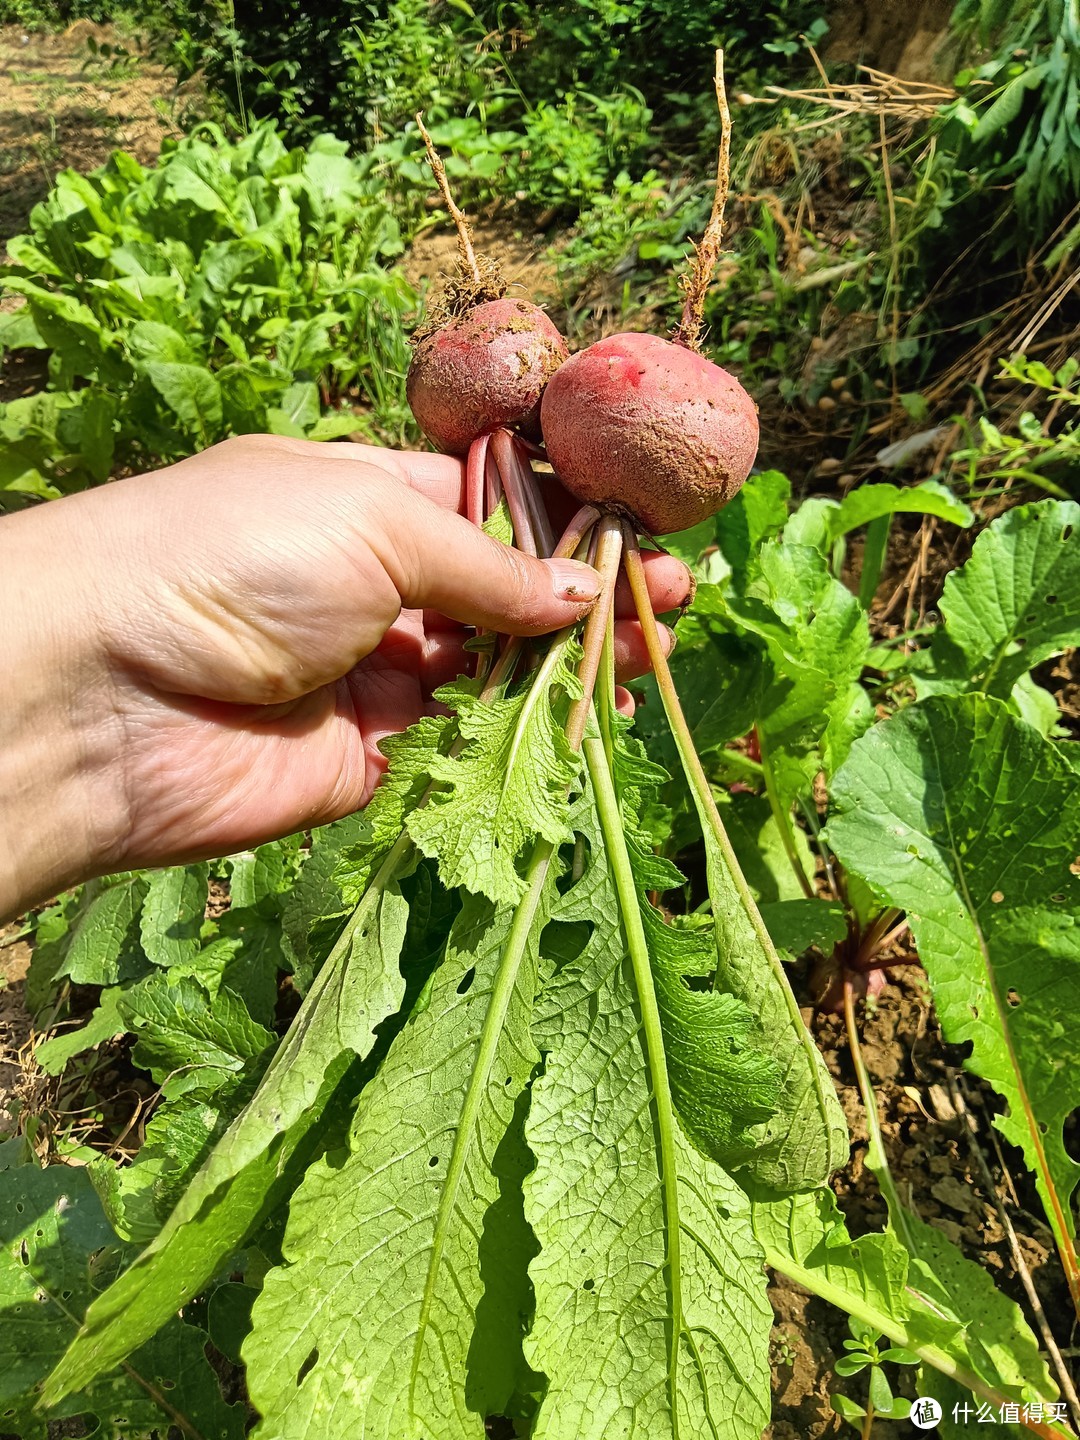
721 682
56 1249
1014 603
613 1283
180 1134
816 635
724 1079
255 957
757 513
359 986
261 874
172 914
315 910
390 1348
103 946
804 1236
105 1023
499 524
965 817
186 1040
508 784
805 1138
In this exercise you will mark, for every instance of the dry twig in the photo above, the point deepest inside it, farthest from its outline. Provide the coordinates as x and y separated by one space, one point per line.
959 1099
706 253
466 253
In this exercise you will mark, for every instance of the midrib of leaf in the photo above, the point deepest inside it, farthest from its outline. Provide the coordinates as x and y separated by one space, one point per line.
724 870
537 692
1058 1217
622 875
490 1035
202 1231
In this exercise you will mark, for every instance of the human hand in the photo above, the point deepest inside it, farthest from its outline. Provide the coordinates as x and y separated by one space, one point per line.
206 658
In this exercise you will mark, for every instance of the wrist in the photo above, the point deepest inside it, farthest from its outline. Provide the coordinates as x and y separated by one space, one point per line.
61 801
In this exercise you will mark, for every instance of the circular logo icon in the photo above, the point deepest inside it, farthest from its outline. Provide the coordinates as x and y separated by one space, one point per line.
925 1413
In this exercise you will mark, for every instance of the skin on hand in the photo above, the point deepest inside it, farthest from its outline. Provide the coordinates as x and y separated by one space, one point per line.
206 658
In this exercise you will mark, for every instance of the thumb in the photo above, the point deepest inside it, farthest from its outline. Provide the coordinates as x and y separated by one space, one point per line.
439 561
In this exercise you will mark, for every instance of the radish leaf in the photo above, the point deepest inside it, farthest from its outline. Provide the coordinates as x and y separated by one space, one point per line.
389 1235
1013 605
632 1255
965 817
56 1250
358 987
507 785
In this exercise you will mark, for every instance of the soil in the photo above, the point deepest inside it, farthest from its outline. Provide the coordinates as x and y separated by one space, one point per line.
905 40
16 1026
59 107
55 113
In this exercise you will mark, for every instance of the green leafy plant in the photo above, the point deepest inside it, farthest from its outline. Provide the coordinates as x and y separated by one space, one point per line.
1040 452
865 1352
231 288
557 1129
1029 133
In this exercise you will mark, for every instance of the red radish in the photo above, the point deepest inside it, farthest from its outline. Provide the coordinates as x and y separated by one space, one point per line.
481 370
651 429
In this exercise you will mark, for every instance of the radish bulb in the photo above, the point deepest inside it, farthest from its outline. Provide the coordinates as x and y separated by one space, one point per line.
481 370
649 429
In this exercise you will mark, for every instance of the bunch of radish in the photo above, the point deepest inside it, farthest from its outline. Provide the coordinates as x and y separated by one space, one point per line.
649 435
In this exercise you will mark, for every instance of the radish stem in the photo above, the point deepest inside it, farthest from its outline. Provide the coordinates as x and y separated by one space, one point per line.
609 548
474 480
544 533
582 522
514 488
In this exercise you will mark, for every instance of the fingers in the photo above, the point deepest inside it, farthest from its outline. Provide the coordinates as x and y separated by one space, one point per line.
671 585
441 479
439 561
631 654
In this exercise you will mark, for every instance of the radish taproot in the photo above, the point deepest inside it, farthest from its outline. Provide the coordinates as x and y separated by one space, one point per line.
482 370
650 429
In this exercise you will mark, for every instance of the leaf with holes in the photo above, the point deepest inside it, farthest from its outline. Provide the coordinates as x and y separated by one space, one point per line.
56 1251
651 1318
357 988
397 1237
964 816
